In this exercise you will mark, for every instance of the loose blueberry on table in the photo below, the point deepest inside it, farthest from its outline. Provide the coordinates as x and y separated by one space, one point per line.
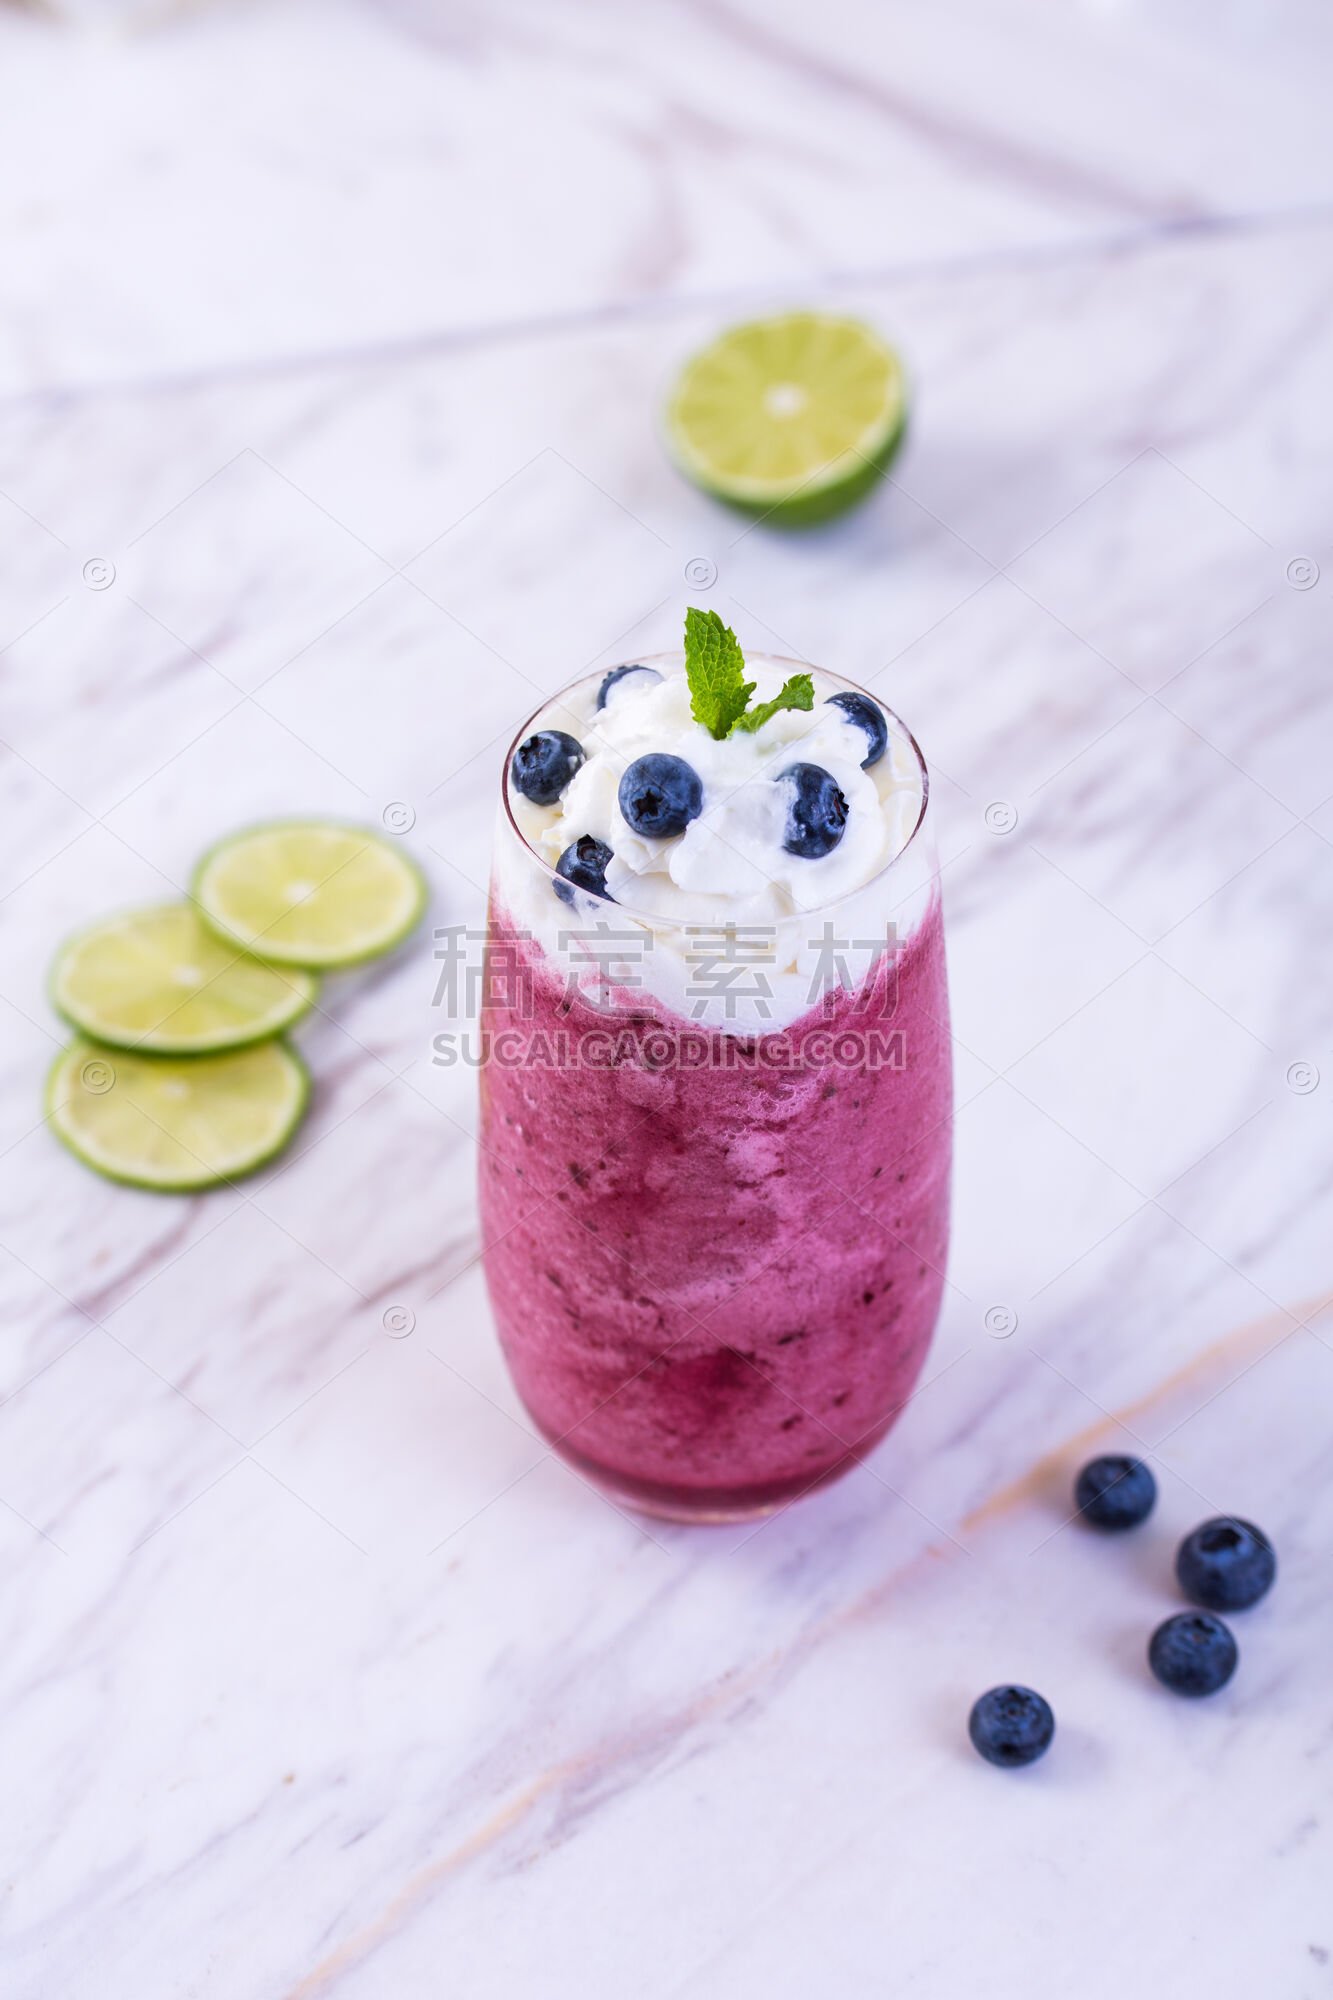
863 712
659 795
1193 1653
643 677
1115 1491
583 865
816 813
1011 1726
1226 1564
544 763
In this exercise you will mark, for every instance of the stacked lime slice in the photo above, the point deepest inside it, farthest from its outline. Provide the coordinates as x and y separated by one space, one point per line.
793 418
180 1077
161 982
176 1123
310 895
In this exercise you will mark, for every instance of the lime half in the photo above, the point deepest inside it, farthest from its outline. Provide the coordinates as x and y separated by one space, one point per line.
794 418
160 980
175 1124
305 893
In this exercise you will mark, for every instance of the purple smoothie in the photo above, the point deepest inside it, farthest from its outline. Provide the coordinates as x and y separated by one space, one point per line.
715 1284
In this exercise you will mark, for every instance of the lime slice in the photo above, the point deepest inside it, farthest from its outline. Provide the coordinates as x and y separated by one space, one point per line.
160 980
310 894
794 418
176 1123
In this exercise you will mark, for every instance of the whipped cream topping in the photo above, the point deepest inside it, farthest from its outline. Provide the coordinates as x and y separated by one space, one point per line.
729 870
729 865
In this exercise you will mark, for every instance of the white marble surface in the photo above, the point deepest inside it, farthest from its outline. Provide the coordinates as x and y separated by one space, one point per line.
189 184
319 1677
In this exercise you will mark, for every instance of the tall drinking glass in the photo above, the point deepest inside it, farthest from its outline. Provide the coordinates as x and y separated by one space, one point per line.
714 1166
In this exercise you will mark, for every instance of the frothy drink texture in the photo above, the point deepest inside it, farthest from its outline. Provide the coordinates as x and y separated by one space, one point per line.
715 1229
715 1286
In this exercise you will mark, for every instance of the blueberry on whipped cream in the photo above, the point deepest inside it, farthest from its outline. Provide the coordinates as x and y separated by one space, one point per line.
544 763
583 866
660 794
625 678
867 715
816 811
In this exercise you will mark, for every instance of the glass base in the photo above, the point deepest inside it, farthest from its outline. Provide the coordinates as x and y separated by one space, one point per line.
710 1506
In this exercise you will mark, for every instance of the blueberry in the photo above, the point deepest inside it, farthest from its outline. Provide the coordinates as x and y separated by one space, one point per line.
867 715
1115 1491
1011 1726
660 795
817 814
1226 1564
1193 1653
618 674
544 764
583 866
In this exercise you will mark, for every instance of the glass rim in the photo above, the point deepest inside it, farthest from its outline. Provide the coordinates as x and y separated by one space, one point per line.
676 658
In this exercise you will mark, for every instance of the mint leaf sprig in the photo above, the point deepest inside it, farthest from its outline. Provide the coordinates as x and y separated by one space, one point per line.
719 691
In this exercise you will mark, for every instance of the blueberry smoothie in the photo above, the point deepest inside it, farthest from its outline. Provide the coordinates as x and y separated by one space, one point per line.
716 1095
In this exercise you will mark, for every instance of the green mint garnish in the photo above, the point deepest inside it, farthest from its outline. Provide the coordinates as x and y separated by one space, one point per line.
798 692
715 669
719 691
